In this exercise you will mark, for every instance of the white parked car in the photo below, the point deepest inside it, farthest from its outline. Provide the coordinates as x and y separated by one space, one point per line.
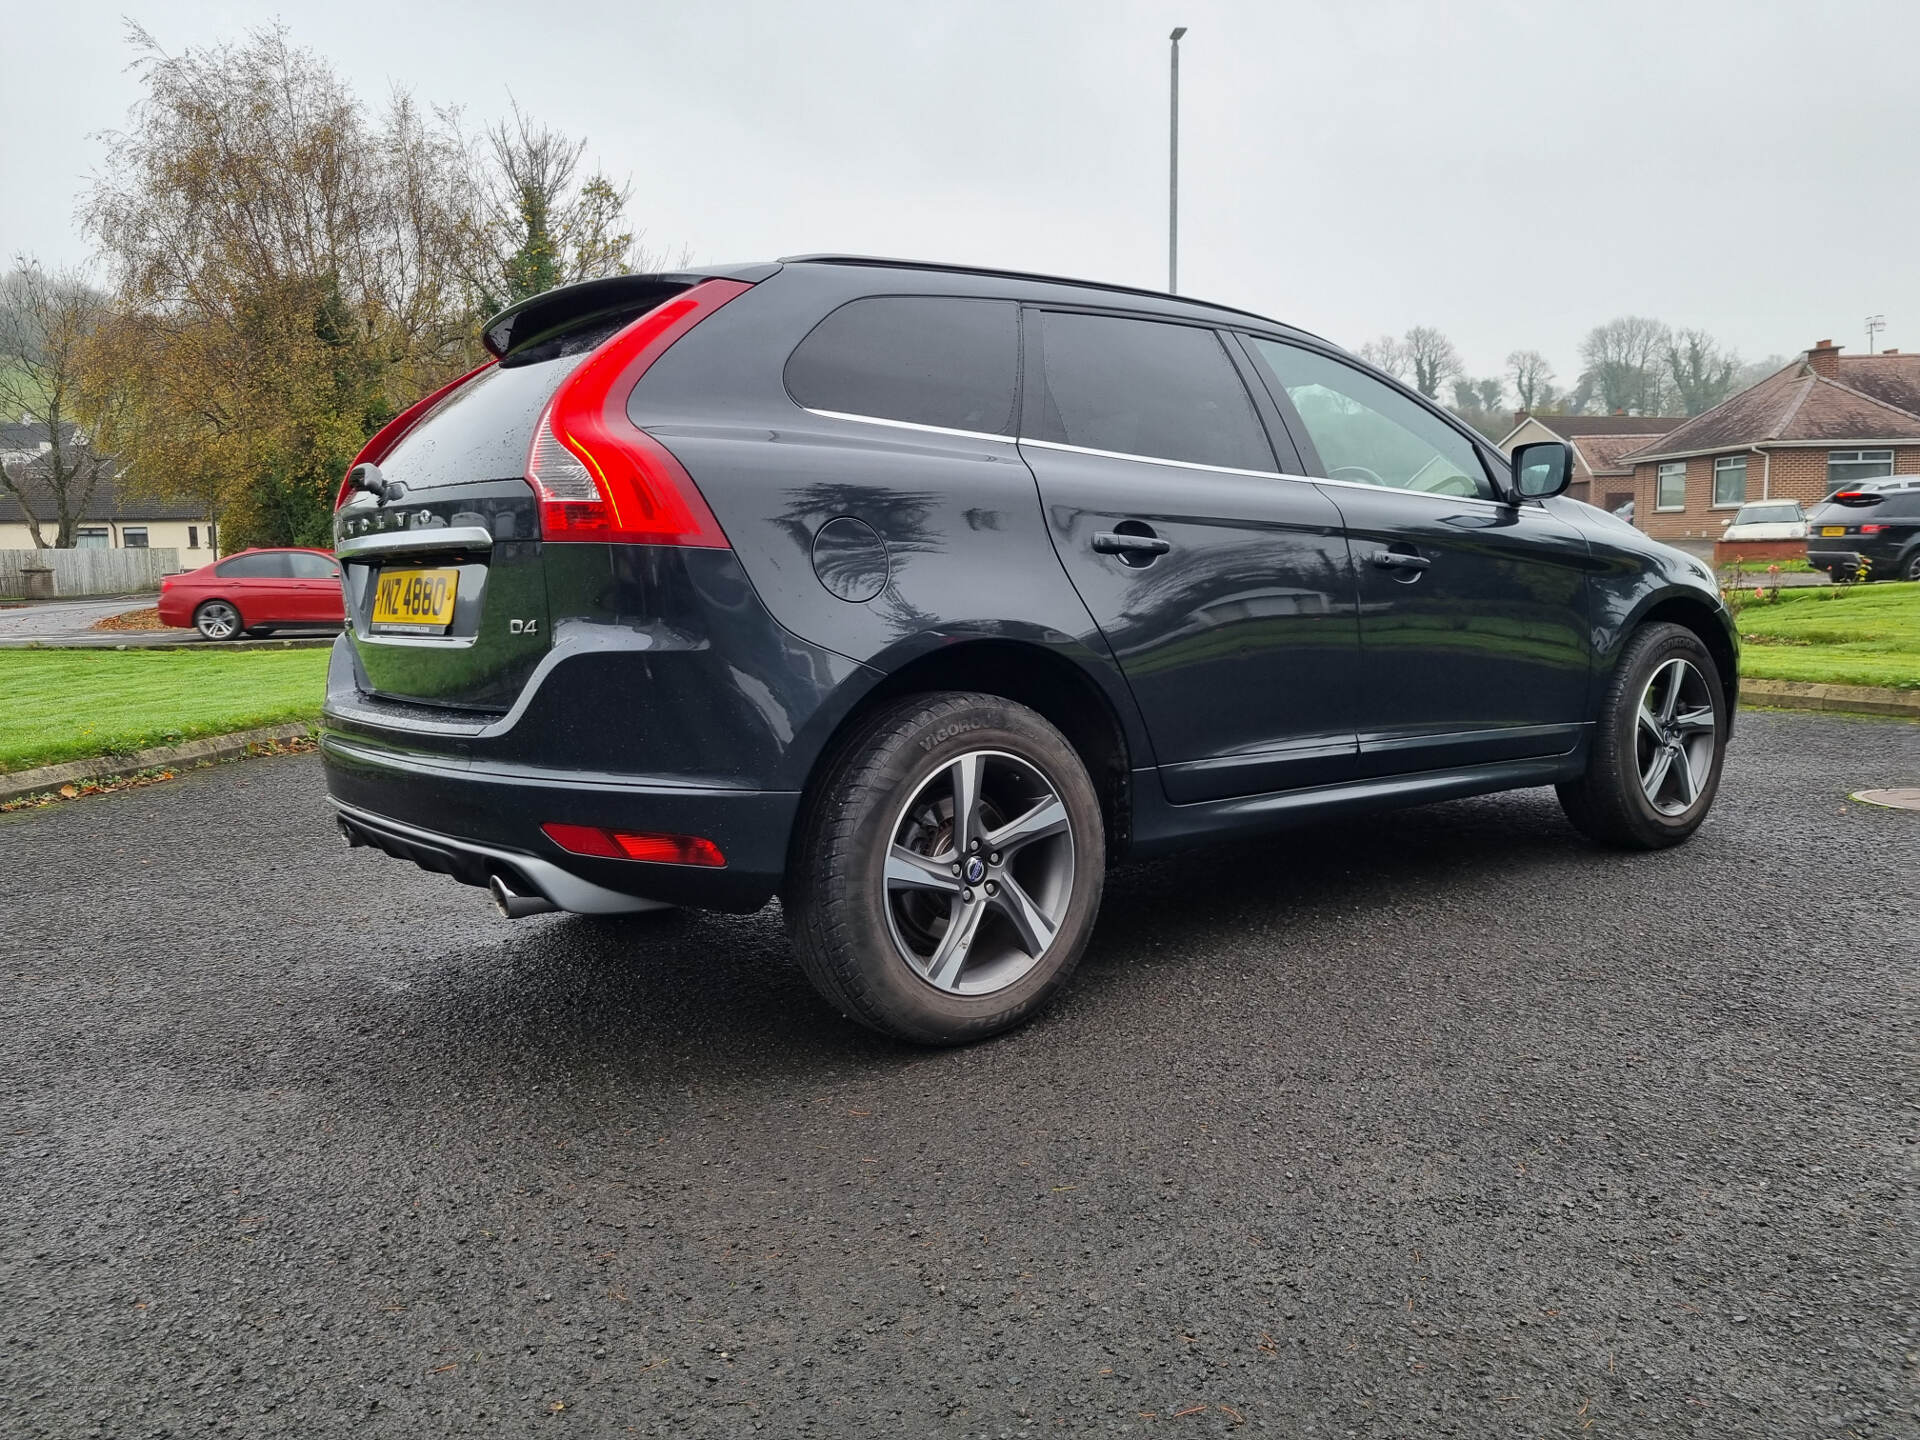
1767 520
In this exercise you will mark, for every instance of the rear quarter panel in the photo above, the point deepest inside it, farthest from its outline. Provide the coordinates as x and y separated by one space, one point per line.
965 546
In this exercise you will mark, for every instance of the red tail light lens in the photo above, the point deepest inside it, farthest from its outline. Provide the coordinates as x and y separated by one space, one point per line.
625 845
1871 529
395 430
598 475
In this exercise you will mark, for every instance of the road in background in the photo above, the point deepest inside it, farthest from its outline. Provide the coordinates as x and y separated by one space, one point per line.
1441 1121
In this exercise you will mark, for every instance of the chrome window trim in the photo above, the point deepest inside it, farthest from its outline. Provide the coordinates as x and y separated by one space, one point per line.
1157 460
424 541
1148 459
909 425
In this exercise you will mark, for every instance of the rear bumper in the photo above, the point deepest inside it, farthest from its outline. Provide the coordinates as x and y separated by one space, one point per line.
474 819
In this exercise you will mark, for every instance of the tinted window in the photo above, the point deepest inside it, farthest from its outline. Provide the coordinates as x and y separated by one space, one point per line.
927 360
1140 387
311 567
267 565
482 430
1368 432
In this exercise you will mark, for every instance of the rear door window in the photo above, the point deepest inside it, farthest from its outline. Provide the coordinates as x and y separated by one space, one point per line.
1146 388
268 565
922 359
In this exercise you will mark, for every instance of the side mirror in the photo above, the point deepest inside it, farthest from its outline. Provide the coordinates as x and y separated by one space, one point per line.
1542 470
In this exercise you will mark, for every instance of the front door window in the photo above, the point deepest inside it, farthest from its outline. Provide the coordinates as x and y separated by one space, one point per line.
1369 433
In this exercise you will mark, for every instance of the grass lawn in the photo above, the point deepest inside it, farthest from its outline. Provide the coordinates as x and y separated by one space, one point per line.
1789 566
1847 635
69 704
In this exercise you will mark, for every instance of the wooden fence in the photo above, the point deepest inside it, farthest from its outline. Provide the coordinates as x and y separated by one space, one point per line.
89 572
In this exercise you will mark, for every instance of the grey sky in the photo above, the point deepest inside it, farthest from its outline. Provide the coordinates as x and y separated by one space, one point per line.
1512 172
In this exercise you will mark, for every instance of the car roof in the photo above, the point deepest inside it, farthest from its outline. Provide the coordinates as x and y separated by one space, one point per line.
1155 300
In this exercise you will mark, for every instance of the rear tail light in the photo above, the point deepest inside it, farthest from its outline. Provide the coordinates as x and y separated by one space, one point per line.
627 845
1871 529
598 475
395 430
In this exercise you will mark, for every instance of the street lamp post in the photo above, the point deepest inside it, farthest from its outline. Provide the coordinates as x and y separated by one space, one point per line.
1173 165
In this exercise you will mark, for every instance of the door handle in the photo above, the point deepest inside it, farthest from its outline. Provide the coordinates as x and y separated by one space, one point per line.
1401 560
1112 542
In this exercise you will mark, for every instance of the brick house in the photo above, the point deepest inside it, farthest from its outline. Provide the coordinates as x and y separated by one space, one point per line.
1599 443
1824 421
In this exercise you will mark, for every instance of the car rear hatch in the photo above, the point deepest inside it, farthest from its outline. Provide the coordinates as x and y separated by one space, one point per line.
1843 518
461 518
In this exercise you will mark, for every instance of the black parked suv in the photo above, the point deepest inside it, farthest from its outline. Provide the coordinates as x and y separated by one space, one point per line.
1876 521
916 594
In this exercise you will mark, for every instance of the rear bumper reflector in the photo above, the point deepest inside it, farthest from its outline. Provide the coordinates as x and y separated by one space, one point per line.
625 845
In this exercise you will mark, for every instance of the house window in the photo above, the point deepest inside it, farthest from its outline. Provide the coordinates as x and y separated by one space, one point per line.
1670 491
193 537
92 537
1729 481
1850 467
133 537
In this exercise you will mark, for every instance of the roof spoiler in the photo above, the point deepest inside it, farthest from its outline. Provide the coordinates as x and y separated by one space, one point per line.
553 312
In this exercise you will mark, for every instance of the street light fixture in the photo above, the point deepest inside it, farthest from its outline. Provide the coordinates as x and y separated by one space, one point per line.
1173 164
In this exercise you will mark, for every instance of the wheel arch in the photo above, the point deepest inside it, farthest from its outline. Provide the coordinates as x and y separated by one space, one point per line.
1030 674
1709 623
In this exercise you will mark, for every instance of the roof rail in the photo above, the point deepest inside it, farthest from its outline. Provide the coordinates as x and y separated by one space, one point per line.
889 263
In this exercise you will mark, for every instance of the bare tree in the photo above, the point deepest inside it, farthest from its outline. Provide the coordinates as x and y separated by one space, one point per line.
46 321
1489 392
1626 360
1386 354
1530 375
539 225
1701 372
1432 359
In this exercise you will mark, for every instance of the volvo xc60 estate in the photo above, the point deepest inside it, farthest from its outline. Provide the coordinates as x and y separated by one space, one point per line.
915 595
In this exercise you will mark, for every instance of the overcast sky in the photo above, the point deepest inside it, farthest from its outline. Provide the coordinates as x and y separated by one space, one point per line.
1512 171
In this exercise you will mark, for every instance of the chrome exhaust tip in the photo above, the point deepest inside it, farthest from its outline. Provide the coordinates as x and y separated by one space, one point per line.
514 905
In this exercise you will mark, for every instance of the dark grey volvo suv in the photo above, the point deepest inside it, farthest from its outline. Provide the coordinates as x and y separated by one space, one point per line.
915 594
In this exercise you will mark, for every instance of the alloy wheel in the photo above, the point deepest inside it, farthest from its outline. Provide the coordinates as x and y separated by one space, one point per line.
979 872
1674 737
217 620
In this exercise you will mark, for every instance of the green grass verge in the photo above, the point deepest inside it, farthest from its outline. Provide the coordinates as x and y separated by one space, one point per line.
72 704
1846 635
1760 567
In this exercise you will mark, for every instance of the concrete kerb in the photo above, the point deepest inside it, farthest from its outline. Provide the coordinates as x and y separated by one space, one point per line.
100 767
1809 695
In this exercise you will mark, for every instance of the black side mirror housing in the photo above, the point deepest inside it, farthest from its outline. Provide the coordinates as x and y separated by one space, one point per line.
1542 470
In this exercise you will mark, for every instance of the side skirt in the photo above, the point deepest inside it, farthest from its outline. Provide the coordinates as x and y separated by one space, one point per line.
1159 826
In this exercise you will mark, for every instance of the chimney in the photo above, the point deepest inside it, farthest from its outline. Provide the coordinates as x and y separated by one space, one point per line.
1825 359
1889 352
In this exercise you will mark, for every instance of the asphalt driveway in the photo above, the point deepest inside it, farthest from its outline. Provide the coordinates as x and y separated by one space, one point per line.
1441 1123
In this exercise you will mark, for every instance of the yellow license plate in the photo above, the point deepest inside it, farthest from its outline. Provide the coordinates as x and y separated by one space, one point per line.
1833 529
415 602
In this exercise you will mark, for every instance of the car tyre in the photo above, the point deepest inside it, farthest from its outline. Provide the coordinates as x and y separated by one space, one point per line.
1658 745
217 620
1909 567
947 870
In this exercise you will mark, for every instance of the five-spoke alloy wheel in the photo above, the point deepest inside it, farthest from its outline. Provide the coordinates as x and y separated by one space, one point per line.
946 872
1654 758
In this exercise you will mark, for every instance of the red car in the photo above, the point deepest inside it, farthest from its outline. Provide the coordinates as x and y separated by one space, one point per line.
255 591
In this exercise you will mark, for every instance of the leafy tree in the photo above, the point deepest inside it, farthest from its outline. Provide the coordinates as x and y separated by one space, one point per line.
1431 358
46 323
1626 363
289 274
1531 377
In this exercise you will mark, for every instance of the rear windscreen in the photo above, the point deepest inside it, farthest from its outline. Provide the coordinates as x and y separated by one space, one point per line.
483 429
